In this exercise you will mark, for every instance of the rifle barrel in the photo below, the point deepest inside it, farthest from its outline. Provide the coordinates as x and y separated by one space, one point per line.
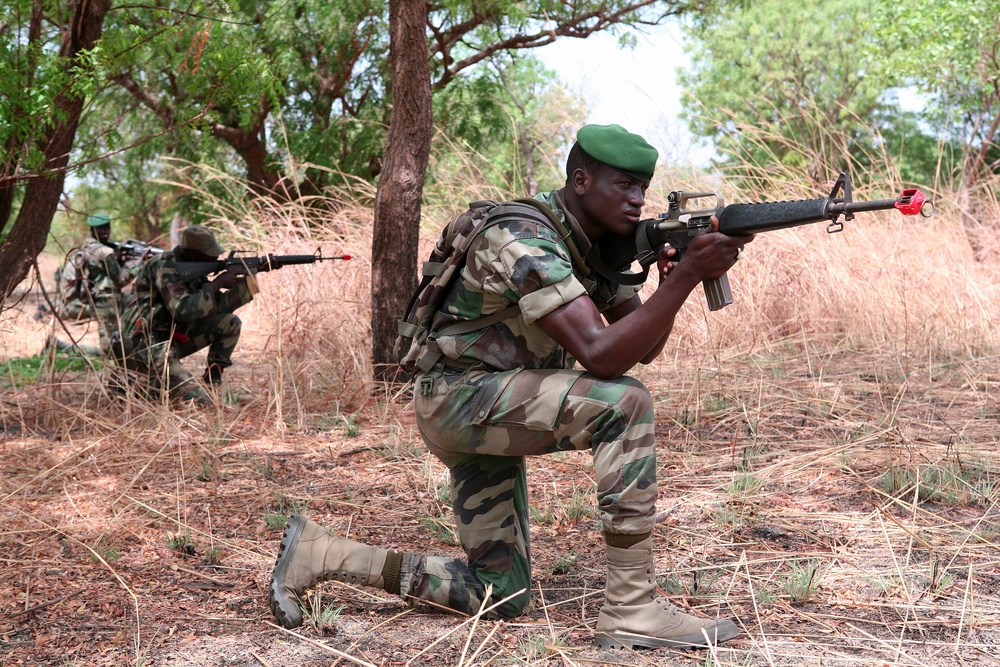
861 206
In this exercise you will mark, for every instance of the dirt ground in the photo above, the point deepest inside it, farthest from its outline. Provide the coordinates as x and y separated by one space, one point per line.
840 503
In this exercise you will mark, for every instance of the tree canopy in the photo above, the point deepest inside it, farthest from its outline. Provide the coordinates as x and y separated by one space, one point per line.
292 96
806 85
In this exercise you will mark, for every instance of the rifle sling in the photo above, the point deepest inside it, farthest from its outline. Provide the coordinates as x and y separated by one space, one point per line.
620 277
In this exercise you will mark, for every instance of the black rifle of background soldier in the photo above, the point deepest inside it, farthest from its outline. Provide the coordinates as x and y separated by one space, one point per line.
240 263
133 249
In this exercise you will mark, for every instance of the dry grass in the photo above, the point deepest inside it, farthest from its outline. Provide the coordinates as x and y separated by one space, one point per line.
829 472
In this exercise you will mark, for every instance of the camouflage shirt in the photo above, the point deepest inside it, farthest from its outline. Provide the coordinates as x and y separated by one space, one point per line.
91 273
521 262
160 298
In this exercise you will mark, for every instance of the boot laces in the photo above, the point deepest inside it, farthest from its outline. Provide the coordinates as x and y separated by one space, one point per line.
668 607
665 605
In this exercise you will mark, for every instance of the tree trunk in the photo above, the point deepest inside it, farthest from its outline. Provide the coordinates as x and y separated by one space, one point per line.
42 194
971 224
396 232
261 174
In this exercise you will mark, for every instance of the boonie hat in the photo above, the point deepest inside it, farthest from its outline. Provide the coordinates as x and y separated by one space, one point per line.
197 237
98 220
616 147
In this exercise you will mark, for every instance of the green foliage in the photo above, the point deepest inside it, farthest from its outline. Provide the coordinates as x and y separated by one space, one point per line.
952 482
182 544
803 580
25 370
322 617
181 81
564 563
539 647
277 513
104 551
351 428
671 584
275 520
940 46
947 50
800 85
440 530
296 94
213 556
542 516
512 119
580 504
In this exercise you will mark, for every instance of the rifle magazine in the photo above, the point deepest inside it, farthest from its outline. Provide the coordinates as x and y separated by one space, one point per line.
252 284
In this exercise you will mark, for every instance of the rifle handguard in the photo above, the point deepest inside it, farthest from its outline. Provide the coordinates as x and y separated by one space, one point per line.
745 219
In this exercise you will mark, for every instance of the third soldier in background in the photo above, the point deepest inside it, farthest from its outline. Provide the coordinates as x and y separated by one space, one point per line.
167 319
90 285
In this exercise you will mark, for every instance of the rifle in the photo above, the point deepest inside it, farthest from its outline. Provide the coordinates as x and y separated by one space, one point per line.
245 263
613 254
134 249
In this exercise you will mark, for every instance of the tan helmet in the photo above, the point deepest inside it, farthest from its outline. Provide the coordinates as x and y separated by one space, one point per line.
200 238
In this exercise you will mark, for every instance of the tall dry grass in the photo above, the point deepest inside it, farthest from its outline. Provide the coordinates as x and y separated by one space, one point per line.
905 285
908 284
766 470
308 330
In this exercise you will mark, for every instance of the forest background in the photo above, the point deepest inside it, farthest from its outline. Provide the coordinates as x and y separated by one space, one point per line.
859 370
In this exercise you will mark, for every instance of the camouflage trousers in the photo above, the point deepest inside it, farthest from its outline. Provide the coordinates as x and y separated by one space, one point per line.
104 309
481 426
159 358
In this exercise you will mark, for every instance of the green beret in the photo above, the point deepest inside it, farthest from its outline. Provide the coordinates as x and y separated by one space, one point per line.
98 220
616 147
202 239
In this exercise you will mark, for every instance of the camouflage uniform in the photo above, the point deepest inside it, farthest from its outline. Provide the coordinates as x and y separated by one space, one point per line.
509 391
166 320
90 287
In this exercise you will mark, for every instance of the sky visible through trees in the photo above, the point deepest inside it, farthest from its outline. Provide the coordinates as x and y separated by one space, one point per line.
636 88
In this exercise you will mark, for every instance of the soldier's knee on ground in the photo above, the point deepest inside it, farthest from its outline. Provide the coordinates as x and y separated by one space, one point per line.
515 606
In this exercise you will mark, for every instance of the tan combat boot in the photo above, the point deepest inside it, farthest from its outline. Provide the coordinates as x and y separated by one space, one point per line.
310 554
634 616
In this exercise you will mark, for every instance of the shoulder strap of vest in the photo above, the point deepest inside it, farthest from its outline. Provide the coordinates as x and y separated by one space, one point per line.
560 228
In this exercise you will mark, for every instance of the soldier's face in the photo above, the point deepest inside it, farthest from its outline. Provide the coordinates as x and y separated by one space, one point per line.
612 200
102 233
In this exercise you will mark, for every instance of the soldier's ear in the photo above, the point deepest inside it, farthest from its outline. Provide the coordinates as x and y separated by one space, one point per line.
581 180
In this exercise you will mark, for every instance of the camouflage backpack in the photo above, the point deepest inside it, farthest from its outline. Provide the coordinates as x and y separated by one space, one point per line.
416 342
73 276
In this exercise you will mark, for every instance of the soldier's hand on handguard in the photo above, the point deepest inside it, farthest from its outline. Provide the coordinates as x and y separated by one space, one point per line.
225 280
715 253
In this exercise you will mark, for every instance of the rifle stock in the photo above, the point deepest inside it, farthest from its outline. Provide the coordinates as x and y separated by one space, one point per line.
614 254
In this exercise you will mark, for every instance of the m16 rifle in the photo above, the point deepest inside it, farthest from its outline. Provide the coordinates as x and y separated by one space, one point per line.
614 254
245 263
134 249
